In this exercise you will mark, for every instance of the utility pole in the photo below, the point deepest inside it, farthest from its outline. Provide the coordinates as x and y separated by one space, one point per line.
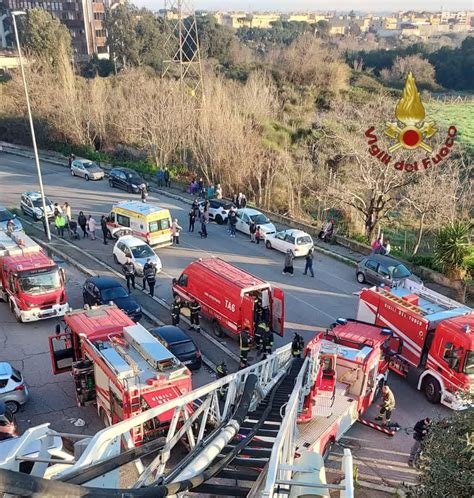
32 128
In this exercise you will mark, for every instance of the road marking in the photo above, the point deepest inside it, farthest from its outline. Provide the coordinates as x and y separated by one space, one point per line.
163 303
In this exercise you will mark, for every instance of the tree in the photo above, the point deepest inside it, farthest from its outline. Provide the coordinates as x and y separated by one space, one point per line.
215 41
452 247
44 36
447 460
423 71
323 28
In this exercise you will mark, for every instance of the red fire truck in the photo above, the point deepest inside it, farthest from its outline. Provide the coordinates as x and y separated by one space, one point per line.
353 366
232 298
437 353
30 282
118 365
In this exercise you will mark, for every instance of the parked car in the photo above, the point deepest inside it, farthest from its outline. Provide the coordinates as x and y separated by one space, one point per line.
180 344
8 426
86 169
297 241
31 205
6 216
218 210
246 214
377 269
103 290
13 389
127 179
137 250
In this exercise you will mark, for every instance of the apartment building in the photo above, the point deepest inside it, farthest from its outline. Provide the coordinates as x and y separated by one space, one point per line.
83 18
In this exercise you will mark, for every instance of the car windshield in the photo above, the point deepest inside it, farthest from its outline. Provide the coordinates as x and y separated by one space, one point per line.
469 363
40 282
113 293
37 203
260 219
399 271
5 215
90 165
143 251
304 240
134 178
183 348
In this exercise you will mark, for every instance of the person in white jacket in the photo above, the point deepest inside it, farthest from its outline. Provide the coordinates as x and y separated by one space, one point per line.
175 229
91 227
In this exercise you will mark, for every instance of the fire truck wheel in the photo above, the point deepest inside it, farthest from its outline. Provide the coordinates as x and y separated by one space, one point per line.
327 449
217 329
13 309
432 390
360 278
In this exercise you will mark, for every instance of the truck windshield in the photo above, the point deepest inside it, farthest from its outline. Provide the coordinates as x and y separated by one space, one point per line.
40 282
469 363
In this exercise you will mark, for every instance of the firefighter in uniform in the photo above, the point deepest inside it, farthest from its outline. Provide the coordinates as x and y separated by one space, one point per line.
221 371
259 334
387 406
195 309
267 342
244 348
175 309
297 346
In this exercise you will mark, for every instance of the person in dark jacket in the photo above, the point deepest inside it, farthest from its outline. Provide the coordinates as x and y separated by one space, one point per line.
309 263
203 232
105 230
252 230
232 221
149 275
267 342
128 269
195 309
166 177
420 432
82 222
288 269
175 309
244 348
144 193
297 346
192 219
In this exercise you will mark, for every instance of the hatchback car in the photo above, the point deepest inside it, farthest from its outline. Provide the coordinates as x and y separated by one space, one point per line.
32 205
180 344
218 210
103 290
377 269
6 216
137 250
127 179
245 215
13 389
297 241
86 169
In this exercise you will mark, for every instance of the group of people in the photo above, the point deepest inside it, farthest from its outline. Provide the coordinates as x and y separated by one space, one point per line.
149 275
239 200
327 231
288 268
211 191
194 311
381 246
196 214
163 177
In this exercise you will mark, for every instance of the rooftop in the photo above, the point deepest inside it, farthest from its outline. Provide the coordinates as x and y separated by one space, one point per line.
139 207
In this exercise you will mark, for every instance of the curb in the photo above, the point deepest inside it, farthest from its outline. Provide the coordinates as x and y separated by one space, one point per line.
210 364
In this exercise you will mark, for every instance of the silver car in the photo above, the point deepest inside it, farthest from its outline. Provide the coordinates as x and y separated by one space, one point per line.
86 169
13 389
377 269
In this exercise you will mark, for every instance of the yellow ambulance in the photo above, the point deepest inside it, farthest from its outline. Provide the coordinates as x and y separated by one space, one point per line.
145 221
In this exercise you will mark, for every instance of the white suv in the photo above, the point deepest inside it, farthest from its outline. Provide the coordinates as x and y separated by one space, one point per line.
218 210
246 215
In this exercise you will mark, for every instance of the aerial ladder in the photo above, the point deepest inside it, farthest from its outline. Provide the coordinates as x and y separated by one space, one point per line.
240 432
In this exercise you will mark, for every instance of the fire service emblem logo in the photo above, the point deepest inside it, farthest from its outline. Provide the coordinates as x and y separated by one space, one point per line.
410 131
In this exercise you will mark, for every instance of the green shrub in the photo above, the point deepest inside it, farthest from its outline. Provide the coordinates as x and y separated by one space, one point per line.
453 247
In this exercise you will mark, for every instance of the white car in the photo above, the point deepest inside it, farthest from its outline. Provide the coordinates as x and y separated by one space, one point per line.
87 170
218 210
245 215
137 250
297 241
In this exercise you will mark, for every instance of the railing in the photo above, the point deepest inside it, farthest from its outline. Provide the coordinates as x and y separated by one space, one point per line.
106 443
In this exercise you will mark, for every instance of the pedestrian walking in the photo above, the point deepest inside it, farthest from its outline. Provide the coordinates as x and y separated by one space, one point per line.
203 232
128 269
91 227
66 209
60 223
195 309
144 193
232 222
160 177
253 231
288 269
309 263
175 229
420 432
175 310
105 230
192 219
387 406
218 191
258 234
297 346
70 159
166 178
244 348
243 201
267 342
82 222
149 276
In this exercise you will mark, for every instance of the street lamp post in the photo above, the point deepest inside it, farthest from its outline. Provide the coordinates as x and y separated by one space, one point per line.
32 128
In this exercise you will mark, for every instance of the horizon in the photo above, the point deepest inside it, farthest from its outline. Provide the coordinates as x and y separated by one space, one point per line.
285 6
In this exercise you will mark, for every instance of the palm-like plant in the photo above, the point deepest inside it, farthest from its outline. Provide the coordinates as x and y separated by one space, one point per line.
451 248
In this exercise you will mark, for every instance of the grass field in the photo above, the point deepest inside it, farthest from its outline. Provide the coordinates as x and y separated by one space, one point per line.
460 115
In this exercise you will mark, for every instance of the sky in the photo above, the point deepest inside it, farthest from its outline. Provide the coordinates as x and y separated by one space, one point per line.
308 5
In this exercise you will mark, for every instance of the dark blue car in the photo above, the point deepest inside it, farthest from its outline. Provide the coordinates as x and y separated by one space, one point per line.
103 290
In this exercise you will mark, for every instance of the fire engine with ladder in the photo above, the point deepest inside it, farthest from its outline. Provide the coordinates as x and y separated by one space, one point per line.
436 354
259 432
119 366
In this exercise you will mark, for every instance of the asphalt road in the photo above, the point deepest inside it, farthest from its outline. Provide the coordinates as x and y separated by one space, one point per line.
310 304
